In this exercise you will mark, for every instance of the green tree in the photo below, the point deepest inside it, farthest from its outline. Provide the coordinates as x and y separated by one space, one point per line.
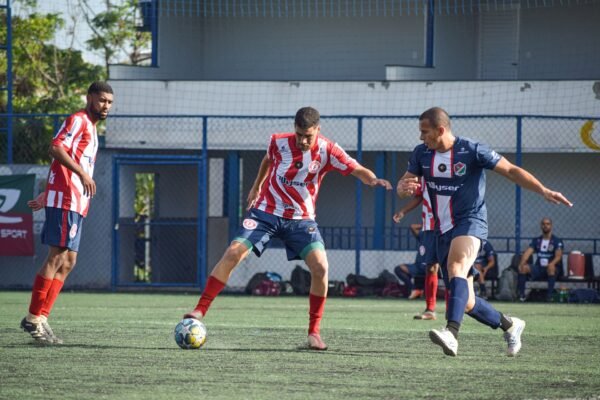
117 33
46 79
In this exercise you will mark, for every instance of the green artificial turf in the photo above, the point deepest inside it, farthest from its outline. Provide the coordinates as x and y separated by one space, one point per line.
121 346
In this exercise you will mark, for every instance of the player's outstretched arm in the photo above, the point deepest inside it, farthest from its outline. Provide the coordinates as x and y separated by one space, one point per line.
407 185
527 181
368 177
258 182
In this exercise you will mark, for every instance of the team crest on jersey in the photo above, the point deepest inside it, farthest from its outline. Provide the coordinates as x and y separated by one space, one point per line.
422 250
73 231
442 167
314 166
460 169
249 224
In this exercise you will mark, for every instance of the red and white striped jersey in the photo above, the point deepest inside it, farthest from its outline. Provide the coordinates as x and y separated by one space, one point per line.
427 216
294 177
78 137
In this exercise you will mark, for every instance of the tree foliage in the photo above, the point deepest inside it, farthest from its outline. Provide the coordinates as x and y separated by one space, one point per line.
51 78
116 32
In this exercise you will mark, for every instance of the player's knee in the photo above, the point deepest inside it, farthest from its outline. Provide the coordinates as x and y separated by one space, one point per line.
236 252
319 271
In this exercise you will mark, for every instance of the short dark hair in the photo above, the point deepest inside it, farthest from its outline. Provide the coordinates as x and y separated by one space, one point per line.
99 87
437 116
307 117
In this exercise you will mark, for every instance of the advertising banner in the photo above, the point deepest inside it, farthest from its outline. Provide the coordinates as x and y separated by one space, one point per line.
16 219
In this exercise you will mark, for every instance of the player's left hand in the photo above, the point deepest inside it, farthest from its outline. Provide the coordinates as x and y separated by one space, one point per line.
556 198
381 182
398 215
38 203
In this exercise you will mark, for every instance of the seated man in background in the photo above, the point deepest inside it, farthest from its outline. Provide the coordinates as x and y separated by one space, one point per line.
485 261
548 250
407 272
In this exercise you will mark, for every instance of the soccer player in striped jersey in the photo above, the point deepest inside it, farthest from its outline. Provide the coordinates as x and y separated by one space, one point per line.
427 248
282 203
453 168
66 200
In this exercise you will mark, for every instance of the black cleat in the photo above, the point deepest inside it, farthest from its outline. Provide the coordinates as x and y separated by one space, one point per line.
36 331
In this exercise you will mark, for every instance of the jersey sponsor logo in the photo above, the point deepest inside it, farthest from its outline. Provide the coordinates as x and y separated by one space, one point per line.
460 169
314 166
442 167
73 231
287 182
51 177
311 229
249 224
440 188
298 164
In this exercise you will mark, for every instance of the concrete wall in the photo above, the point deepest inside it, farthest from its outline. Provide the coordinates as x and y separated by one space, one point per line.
543 43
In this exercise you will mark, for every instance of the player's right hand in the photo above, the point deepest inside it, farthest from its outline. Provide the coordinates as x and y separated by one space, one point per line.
38 203
252 197
89 186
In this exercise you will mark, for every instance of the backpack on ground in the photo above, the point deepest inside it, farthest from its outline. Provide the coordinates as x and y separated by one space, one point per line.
254 281
264 284
507 285
300 280
583 295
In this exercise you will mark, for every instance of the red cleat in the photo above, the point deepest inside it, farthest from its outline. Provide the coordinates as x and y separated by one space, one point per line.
315 342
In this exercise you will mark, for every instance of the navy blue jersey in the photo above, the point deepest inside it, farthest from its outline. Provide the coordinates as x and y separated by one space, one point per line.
545 250
485 252
455 180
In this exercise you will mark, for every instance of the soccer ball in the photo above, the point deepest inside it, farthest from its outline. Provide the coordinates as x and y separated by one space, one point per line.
190 334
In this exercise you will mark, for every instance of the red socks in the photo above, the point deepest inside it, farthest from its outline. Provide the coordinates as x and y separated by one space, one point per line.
315 313
431 284
53 292
211 290
39 292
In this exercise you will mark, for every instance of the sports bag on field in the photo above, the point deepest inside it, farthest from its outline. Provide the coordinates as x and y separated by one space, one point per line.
507 285
300 280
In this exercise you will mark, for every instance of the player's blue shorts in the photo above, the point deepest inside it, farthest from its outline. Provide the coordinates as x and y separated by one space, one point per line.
300 236
539 273
428 247
62 228
469 227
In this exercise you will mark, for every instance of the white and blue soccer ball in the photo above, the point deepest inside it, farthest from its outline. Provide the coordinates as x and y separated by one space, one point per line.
190 334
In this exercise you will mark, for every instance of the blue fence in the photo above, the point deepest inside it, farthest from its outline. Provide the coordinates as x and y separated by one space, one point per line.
558 150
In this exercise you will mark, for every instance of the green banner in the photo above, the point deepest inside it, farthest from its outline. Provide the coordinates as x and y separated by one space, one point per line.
16 219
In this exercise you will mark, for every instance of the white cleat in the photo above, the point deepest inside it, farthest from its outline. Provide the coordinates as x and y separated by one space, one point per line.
513 337
446 340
